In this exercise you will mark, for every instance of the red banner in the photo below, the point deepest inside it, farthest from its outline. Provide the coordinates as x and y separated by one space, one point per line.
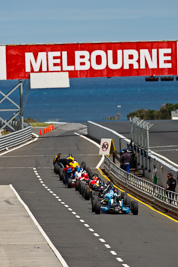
92 59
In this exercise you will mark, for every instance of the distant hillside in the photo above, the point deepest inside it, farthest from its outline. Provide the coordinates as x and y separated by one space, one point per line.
149 114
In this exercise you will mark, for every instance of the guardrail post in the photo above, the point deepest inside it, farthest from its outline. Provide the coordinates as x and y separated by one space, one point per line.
138 151
146 163
21 104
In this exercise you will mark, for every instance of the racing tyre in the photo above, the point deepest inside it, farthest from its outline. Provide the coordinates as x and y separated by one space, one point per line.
93 196
123 194
83 190
80 188
87 193
61 174
94 193
90 174
94 204
127 201
69 183
134 207
98 207
64 179
83 165
116 190
55 166
77 185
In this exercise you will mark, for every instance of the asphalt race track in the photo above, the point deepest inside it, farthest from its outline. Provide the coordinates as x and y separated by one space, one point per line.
83 238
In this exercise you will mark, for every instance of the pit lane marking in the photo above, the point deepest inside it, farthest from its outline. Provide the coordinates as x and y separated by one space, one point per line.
78 217
95 234
113 252
102 240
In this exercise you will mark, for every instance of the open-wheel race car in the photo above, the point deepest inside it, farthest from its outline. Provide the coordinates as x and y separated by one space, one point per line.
114 203
66 168
90 184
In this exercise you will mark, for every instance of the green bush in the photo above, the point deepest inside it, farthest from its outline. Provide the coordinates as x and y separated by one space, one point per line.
149 114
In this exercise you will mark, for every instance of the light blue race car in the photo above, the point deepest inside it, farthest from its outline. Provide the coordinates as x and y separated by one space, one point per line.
115 204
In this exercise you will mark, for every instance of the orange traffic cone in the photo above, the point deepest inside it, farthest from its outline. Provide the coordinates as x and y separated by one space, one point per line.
53 127
41 132
44 131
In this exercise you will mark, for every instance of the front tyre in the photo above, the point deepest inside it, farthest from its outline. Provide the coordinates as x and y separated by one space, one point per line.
98 207
134 207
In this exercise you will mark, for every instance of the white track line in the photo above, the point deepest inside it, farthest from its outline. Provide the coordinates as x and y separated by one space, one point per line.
56 252
160 156
91 141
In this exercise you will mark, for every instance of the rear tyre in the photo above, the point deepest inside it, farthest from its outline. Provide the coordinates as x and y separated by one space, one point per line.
127 201
93 196
55 167
61 174
64 179
80 188
97 207
77 185
123 194
69 182
83 165
94 204
83 190
90 174
134 207
87 193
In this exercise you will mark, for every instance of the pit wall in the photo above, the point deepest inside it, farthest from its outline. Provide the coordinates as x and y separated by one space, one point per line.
143 161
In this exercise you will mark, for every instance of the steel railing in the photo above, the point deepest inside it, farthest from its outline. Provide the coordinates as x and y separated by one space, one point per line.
13 139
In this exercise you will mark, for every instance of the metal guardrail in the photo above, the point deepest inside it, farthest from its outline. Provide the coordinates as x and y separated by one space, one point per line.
13 139
156 195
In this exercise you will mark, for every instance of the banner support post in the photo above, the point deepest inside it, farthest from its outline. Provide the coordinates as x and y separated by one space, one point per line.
21 104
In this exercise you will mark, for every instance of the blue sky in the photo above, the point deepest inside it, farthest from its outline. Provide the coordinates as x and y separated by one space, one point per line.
72 21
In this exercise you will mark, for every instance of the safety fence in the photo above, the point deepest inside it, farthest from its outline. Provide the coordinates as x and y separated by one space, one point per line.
156 195
13 139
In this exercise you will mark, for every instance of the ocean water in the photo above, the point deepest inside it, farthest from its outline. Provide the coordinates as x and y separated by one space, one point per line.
93 99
